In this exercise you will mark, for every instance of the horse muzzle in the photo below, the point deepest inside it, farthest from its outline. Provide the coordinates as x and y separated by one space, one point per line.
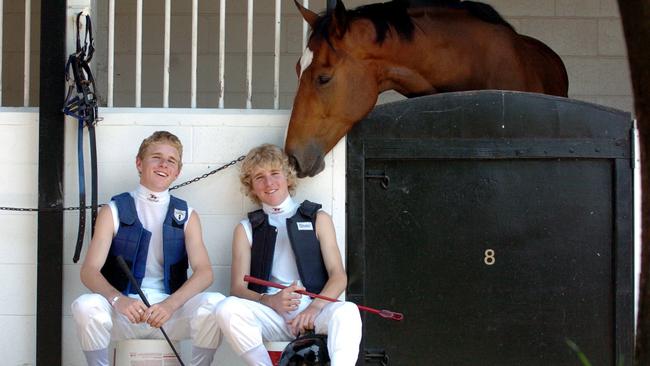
307 164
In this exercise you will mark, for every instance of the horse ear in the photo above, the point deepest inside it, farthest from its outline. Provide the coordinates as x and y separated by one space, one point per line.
339 18
309 16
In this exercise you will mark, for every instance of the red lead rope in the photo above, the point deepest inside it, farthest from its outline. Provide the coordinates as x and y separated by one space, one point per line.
383 313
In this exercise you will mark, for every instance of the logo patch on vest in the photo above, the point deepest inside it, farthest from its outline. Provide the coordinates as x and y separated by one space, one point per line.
305 226
180 214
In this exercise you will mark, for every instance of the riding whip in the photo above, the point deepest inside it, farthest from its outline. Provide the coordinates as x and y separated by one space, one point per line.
134 283
383 313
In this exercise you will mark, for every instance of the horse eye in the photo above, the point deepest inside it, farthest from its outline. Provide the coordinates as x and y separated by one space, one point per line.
324 79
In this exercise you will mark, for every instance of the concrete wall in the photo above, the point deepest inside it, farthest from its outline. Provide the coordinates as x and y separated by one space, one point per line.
18 188
588 35
210 140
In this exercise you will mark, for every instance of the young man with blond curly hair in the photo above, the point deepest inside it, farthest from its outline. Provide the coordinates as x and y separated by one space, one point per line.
294 245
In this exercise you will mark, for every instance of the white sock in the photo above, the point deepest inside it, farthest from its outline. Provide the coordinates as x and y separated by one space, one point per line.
97 358
257 356
202 356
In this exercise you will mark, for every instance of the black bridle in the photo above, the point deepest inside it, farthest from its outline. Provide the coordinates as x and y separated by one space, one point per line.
81 103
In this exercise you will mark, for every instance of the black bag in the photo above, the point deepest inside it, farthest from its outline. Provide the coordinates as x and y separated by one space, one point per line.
307 350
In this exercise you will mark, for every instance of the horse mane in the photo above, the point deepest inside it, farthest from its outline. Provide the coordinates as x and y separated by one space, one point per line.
484 12
395 14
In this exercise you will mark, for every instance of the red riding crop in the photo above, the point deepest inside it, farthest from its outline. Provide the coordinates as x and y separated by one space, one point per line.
383 313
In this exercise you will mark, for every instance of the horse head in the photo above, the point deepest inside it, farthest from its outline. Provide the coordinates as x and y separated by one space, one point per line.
442 46
337 87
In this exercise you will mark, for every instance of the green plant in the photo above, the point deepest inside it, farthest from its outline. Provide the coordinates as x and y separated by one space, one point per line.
581 356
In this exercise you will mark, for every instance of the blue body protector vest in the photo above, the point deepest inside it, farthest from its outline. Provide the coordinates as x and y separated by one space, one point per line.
304 243
132 243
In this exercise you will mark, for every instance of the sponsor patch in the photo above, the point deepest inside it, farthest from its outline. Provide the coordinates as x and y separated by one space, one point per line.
180 214
305 226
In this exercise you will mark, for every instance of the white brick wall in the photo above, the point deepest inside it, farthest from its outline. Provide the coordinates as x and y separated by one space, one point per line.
210 138
18 188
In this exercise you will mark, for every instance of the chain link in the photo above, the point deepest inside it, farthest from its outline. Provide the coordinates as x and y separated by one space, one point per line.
208 173
45 209
57 209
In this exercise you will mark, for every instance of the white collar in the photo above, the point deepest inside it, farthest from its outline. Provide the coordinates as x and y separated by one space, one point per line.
288 205
148 195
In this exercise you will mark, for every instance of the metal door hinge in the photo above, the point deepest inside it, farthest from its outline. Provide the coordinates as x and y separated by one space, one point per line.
376 357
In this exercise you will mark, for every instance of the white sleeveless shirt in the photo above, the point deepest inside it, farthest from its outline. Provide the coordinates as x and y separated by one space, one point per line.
285 269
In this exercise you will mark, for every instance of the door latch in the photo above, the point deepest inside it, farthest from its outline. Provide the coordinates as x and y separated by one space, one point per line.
384 180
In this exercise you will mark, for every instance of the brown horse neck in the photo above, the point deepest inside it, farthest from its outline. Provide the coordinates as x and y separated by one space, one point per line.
450 51
400 70
432 61
404 80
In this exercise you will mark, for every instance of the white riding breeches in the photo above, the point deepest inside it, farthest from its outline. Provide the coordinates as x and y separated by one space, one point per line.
246 324
97 323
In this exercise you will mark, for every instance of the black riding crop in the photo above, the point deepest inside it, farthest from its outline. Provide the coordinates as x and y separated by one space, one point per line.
135 285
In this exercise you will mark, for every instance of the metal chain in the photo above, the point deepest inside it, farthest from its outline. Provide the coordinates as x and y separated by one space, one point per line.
57 209
44 209
208 173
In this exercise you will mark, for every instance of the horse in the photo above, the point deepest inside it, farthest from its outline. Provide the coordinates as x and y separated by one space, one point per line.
442 46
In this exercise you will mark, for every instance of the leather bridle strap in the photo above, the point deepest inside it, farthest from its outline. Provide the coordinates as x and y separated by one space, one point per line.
81 103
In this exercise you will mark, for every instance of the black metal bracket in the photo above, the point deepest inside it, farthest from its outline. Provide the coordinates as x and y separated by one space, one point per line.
376 356
379 174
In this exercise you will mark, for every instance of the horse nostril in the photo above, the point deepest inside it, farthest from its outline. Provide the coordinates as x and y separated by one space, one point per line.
294 163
